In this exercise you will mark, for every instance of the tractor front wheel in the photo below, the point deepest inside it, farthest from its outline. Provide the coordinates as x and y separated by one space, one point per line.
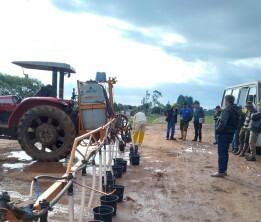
46 133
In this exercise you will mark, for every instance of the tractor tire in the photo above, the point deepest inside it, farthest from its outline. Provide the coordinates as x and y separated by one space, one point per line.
46 133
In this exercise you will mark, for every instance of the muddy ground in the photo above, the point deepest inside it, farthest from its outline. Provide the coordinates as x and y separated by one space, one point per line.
172 182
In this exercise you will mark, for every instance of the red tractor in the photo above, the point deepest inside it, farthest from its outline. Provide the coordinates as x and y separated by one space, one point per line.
46 127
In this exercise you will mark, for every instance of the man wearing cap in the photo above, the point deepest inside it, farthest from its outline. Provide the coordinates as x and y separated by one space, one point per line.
185 118
171 118
225 130
198 114
245 131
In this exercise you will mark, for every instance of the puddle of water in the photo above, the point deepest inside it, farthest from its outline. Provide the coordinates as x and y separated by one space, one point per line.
206 151
134 181
196 150
20 155
13 166
244 169
146 157
59 211
189 149
148 168
155 161
159 171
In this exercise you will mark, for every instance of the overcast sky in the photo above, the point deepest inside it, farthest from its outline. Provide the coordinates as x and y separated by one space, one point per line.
190 47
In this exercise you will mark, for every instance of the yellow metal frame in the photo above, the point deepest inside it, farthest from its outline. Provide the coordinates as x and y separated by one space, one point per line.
53 191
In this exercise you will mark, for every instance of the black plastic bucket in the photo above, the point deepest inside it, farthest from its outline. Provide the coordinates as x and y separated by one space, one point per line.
119 191
122 163
108 173
135 159
103 213
118 169
110 180
118 159
110 200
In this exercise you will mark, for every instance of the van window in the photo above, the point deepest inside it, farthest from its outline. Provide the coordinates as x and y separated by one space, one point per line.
235 93
243 96
252 95
227 92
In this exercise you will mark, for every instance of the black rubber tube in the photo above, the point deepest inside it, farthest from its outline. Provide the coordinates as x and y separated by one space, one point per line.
62 192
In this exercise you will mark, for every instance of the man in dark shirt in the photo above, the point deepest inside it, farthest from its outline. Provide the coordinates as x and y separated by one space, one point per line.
45 91
171 118
225 130
198 115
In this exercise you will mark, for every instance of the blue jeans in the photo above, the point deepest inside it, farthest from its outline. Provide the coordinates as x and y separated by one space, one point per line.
171 127
235 140
198 129
223 145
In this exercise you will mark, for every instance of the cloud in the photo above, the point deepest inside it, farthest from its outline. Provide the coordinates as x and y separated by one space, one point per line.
195 48
249 63
211 28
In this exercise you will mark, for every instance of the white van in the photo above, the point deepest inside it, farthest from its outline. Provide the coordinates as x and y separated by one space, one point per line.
245 92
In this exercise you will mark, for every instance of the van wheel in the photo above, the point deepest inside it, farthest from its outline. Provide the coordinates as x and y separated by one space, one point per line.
46 133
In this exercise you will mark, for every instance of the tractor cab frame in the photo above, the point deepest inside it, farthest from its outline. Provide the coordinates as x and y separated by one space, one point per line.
61 68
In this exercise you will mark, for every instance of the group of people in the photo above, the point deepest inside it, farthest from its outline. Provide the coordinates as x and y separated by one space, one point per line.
186 115
234 126
231 126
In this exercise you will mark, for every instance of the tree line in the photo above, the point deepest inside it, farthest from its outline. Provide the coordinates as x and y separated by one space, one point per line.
11 85
150 103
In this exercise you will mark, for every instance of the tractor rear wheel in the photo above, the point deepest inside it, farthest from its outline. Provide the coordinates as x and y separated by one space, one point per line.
46 133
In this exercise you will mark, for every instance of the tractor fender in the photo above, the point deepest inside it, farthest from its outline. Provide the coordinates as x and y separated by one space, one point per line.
31 102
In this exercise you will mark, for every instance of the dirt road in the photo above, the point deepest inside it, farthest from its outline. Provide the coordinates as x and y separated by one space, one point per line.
172 182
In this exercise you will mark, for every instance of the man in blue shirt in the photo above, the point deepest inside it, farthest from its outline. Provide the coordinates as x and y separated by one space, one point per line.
198 120
185 117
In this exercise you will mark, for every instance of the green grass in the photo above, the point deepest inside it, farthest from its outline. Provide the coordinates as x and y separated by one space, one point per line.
209 119
151 118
